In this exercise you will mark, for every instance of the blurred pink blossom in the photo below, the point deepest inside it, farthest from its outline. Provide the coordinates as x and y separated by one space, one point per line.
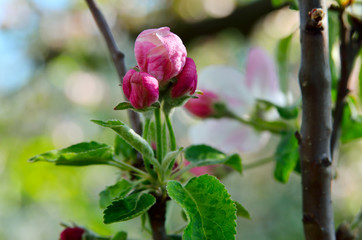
202 106
198 171
186 80
160 53
239 92
140 88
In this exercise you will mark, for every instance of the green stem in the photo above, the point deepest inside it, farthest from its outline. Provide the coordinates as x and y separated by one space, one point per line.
258 163
171 132
146 128
263 125
184 169
158 134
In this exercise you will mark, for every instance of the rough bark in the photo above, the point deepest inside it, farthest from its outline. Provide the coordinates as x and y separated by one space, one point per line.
315 84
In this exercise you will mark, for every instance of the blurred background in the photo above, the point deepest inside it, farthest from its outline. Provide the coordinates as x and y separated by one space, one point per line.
56 75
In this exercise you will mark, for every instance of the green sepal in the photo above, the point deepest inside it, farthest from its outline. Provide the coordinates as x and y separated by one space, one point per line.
118 190
120 236
286 156
210 211
130 136
81 154
241 211
203 155
167 160
129 207
128 105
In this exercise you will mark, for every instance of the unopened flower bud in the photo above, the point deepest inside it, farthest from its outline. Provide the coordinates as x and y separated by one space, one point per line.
140 88
186 80
203 106
160 53
74 233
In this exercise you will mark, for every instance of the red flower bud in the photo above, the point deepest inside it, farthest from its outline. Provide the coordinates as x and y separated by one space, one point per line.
140 88
74 233
202 106
186 80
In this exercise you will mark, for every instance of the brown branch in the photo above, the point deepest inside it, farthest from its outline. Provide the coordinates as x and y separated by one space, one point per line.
117 56
348 52
315 84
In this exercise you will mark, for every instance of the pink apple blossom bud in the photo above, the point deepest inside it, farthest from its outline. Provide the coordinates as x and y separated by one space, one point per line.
203 105
74 233
140 88
198 171
186 80
160 53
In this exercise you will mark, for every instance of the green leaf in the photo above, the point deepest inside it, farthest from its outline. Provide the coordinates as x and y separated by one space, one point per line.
241 211
282 59
288 112
118 190
122 148
128 105
120 236
129 207
293 4
81 154
203 155
287 156
130 136
210 210
351 128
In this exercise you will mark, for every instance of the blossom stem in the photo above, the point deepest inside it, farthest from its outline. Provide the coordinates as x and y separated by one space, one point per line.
171 132
258 163
158 134
276 127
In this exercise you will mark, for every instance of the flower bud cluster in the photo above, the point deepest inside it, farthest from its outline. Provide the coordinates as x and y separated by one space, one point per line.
162 65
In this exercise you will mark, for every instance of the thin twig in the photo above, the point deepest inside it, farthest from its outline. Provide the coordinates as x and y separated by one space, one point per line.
348 51
117 55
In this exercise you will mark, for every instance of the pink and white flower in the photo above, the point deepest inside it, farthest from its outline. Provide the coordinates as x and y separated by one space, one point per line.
239 92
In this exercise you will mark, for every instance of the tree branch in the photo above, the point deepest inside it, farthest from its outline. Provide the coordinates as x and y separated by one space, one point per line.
315 84
348 52
117 56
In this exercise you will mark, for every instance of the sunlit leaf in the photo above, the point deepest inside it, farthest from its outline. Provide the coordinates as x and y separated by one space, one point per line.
210 210
203 155
81 154
129 207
